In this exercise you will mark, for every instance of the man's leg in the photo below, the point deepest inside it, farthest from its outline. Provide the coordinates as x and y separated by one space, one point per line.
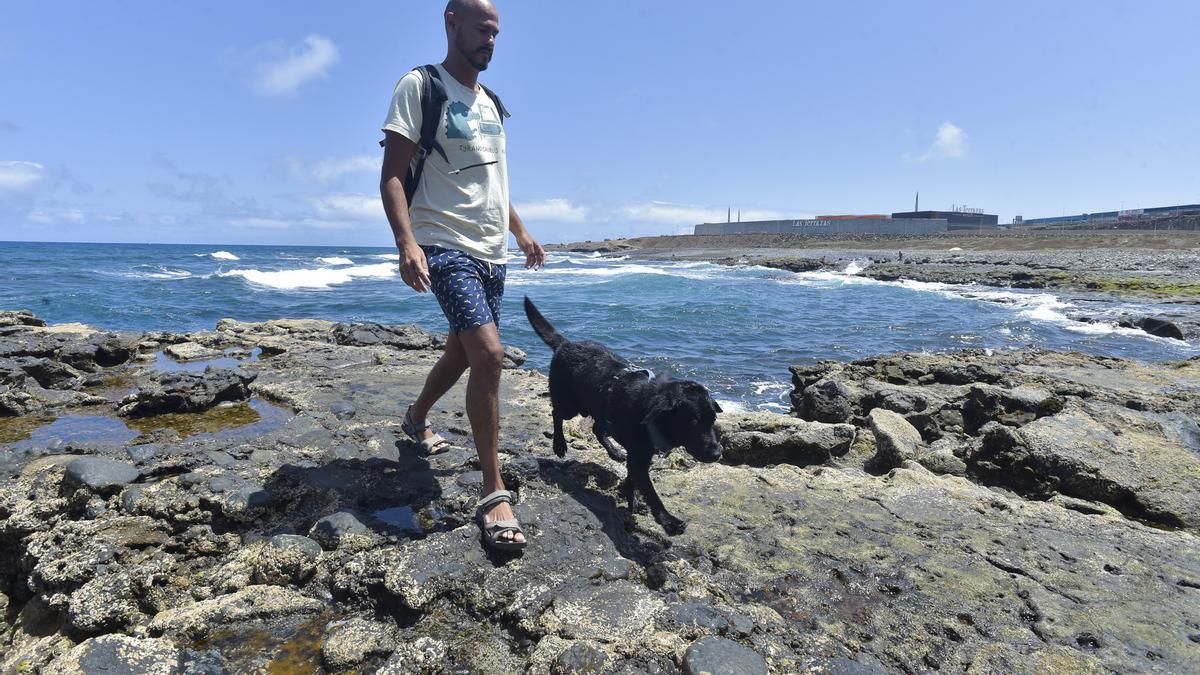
485 355
442 376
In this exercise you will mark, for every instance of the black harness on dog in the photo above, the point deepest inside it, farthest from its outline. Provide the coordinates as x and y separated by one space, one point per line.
657 439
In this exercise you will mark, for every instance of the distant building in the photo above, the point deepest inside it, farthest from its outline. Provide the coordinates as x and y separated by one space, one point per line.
959 218
829 225
1126 215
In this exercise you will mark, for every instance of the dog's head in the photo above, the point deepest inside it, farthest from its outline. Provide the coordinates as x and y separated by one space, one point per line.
682 413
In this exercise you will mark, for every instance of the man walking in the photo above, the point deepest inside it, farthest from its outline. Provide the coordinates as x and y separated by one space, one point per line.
452 239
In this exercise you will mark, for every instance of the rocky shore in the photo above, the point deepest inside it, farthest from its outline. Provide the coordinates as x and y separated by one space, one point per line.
241 500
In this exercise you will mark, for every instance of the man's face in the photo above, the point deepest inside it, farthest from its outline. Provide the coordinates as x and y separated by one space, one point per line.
475 36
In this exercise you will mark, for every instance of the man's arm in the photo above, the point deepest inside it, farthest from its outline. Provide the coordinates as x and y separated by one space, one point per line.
398 152
535 256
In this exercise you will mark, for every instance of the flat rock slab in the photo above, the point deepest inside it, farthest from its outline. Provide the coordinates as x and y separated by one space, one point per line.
124 655
759 439
1135 461
101 474
253 604
722 656
191 351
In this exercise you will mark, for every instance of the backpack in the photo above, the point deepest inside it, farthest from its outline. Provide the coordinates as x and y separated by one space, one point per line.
433 97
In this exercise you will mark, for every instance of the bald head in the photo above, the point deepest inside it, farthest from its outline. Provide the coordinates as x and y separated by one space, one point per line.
471 30
463 7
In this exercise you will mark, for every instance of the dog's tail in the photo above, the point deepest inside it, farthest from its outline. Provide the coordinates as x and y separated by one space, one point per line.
542 327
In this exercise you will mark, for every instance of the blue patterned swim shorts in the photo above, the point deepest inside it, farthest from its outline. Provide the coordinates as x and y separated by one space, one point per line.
468 289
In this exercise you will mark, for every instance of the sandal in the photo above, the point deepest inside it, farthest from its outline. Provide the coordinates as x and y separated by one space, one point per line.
492 531
433 445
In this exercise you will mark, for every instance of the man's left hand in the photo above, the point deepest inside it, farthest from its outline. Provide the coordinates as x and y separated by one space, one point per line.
535 255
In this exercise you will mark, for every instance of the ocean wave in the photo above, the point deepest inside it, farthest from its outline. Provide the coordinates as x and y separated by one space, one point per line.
220 255
324 277
385 256
335 260
148 272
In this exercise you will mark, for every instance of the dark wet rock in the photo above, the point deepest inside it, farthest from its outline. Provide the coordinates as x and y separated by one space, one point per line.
20 317
759 439
896 441
828 400
1159 327
374 334
100 474
721 656
189 392
330 530
343 410
988 403
580 657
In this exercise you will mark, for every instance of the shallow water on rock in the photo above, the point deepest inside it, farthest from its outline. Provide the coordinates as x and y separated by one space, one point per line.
401 517
251 418
282 650
165 363
24 436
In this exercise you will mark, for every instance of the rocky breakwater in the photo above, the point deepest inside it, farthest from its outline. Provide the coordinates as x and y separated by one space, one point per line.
916 515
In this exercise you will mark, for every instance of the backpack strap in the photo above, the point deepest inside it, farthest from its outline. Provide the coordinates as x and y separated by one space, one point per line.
496 99
433 97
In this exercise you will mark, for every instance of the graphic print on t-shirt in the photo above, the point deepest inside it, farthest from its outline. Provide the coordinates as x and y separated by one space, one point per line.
457 126
459 118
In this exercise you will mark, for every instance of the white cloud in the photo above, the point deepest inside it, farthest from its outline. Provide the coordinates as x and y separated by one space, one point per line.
285 68
348 207
17 176
664 213
71 216
330 169
553 210
950 143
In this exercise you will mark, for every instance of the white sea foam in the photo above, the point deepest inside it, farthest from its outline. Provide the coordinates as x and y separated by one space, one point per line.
336 260
223 255
731 406
313 278
856 266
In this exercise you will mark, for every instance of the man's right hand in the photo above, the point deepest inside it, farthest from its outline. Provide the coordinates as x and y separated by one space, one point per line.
413 268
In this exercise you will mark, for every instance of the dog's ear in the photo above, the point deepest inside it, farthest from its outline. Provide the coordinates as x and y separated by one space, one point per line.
659 406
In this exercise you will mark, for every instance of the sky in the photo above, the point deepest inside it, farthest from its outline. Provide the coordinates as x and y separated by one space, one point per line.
258 123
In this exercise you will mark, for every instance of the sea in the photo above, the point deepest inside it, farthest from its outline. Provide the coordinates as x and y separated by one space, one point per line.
734 329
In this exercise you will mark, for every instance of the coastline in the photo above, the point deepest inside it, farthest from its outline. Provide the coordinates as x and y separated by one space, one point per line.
1010 511
1158 269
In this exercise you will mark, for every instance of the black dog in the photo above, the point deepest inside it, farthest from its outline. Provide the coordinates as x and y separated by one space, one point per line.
644 413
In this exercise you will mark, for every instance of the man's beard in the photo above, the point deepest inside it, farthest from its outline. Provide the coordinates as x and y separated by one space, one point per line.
479 60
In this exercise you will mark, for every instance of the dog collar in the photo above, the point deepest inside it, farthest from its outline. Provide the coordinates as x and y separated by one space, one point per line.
629 370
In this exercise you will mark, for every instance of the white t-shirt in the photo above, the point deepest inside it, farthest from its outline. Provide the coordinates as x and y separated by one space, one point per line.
467 211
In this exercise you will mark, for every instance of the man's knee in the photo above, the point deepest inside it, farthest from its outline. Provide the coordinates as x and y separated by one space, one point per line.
485 352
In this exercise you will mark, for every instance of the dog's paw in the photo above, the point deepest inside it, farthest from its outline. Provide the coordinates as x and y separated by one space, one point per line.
674 526
616 454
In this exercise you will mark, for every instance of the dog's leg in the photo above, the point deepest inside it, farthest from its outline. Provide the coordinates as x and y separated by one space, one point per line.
613 451
560 441
639 477
639 481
